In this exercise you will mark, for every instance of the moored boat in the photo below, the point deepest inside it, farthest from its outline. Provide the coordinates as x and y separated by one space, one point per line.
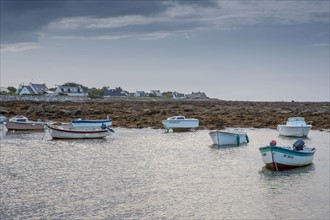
294 127
180 123
282 158
20 122
229 137
91 123
2 119
71 132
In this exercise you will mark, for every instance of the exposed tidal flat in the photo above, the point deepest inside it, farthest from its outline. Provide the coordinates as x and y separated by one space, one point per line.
148 113
149 174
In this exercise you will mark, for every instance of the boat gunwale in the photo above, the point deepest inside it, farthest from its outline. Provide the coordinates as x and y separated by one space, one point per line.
76 131
229 132
91 121
284 150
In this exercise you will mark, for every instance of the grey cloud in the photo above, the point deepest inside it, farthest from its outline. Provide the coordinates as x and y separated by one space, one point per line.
27 21
22 20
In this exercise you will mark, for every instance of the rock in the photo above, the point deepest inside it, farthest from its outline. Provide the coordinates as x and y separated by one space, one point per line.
76 112
2 111
188 108
96 112
212 114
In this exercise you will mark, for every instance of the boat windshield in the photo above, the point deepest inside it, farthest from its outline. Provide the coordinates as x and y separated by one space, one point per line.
293 119
21 119
176 118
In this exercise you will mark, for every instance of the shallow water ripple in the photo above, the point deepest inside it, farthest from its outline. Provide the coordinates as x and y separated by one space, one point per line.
150 174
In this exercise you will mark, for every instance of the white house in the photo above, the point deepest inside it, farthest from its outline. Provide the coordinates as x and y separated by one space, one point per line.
115 92
140 94
70 90
32 89
156 93
198 95
177 95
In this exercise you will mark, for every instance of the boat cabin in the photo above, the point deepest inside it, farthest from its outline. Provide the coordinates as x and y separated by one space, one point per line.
176 118
18 119
296 121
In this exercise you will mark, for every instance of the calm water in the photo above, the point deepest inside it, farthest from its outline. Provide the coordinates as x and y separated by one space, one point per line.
149 174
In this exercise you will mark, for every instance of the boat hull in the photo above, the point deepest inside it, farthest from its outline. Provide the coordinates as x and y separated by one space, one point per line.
282 158
294 131
178 124
74 133
25 125
2 119
91 123
228 138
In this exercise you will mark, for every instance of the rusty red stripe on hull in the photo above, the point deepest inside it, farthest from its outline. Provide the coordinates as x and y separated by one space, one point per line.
58 138
281 167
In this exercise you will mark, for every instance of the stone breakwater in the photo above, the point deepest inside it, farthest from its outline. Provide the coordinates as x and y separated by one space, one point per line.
135 113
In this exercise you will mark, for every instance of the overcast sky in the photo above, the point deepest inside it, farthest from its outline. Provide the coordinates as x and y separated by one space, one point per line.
259 50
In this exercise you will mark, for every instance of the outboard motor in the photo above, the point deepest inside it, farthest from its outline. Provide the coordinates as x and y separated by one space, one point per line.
103 126
299 145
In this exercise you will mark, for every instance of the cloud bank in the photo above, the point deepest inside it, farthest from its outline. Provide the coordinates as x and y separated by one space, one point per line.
31 21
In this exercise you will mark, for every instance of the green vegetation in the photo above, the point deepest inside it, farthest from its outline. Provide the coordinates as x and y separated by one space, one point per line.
95 93
11 89
167 94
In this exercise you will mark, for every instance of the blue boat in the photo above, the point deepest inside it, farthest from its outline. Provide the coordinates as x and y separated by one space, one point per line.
91 123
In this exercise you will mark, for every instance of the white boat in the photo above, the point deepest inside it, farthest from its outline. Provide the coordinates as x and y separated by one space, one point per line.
294 127
91 123
71 132
229 137
282 158
23 123
2 119
182 123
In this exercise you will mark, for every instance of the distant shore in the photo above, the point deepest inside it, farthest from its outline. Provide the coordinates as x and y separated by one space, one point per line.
144 113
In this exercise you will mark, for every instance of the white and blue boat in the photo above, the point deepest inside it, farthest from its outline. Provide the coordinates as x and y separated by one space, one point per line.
229 137
91 123
282 158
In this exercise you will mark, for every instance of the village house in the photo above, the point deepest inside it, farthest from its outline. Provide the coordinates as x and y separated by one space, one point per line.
117 92
70 90
156 93
32 89
140 94
197 95
177 95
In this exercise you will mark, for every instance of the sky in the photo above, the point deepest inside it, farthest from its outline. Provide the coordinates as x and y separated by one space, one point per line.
261 50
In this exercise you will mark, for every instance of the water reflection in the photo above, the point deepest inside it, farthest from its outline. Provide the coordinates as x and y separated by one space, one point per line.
287 173
215 146
149 174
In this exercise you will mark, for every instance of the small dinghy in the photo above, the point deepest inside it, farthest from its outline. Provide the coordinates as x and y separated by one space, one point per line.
71 132
229 137
91 123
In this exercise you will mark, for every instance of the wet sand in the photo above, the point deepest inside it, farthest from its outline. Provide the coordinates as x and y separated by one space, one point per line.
136 113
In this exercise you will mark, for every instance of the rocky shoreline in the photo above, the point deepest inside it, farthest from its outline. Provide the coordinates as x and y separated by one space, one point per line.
135 113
